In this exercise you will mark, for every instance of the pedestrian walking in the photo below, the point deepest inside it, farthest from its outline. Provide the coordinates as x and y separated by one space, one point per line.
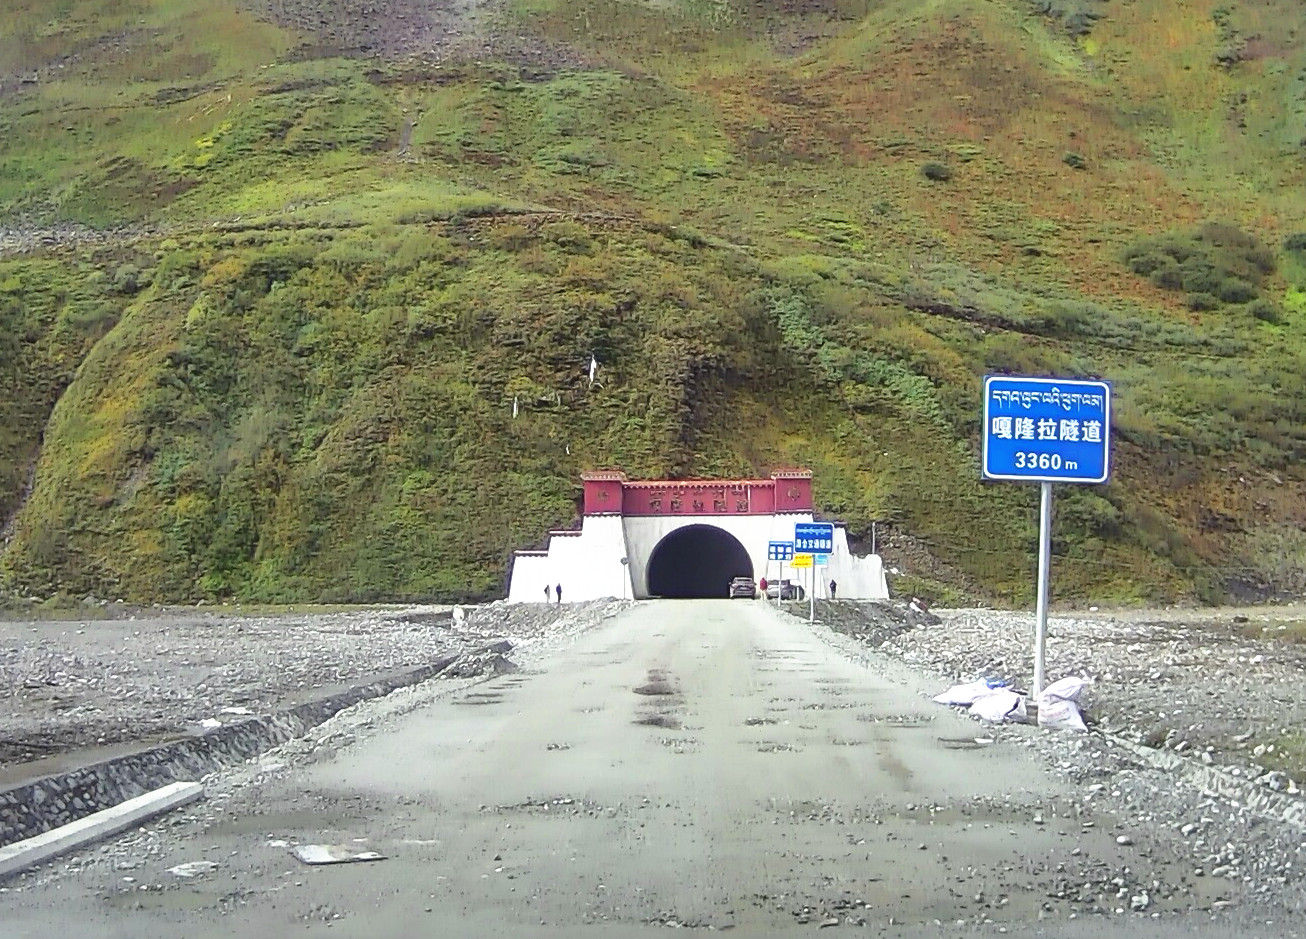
762 585
548 593
833 585
559 589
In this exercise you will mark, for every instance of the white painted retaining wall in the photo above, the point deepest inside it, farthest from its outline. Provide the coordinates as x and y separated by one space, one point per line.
588 563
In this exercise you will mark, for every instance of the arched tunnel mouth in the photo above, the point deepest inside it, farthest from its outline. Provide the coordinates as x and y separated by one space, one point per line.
697 561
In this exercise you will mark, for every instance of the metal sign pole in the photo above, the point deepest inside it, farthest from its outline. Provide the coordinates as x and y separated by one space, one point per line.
811 593
1044 563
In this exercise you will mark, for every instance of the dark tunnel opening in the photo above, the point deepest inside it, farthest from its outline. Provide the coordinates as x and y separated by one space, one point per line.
697 561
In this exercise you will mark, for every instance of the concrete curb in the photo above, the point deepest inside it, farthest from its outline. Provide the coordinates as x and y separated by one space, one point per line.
36 807
31 851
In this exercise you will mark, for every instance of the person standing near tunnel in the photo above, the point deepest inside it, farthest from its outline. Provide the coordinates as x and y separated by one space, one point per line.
833 585
559 589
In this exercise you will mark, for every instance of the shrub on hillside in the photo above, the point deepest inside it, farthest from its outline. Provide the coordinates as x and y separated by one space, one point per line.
1295 242
1202 302
1217 262
1199 277
937 172
1074 161
1265 310
1168 276
1234 290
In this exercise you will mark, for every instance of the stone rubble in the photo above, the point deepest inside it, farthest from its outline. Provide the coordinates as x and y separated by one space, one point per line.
1194 727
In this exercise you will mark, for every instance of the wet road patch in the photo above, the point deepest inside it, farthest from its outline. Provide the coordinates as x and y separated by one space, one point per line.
658 720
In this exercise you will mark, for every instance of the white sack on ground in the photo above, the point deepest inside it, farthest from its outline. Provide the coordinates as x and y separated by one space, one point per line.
997 705
1066 689
1058 705
1060 714
967 694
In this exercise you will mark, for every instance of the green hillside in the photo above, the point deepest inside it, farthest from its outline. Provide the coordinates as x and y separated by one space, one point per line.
273 272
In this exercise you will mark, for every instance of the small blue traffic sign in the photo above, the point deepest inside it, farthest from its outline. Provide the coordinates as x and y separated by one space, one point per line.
779 550
814 537
1046 429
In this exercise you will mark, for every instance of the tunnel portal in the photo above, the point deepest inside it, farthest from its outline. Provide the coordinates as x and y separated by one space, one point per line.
697 561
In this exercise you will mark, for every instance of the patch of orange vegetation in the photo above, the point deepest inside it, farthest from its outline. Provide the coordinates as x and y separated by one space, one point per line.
959 83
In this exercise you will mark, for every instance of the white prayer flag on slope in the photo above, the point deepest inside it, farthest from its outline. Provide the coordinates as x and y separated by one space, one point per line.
594 367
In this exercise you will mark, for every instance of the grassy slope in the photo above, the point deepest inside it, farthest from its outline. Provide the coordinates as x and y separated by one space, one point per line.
313 399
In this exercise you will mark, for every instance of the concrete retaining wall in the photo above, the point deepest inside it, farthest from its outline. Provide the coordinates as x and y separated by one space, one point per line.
37 807
588 562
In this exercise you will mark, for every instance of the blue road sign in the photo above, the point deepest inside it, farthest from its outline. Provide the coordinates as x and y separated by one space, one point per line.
1046 429
779 550
814 537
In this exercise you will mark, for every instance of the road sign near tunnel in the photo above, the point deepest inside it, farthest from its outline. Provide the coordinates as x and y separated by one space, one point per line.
814 537
801 560
1046 429
779 550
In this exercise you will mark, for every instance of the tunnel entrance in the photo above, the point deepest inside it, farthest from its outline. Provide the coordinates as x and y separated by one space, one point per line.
697 561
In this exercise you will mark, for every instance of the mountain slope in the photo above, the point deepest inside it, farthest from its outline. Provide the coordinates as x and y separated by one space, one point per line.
303 261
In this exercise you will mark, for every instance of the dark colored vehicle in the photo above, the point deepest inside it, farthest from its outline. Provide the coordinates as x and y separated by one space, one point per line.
785 590
743 587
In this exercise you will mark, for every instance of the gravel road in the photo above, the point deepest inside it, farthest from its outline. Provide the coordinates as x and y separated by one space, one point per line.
691 764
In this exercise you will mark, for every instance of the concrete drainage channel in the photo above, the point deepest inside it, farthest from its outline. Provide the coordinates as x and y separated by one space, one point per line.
57 813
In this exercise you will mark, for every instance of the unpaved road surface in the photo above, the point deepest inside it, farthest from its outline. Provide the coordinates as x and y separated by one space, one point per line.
700 764
76 690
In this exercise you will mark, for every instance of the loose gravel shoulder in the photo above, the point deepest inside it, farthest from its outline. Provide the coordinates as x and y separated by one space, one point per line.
1195 724
73 685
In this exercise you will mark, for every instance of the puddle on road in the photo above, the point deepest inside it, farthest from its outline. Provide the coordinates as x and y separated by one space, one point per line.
659 683
656 688
479 699
906 721
658 720
965 743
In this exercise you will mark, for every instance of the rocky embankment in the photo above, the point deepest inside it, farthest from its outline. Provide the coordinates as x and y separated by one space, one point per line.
76 684
1194 716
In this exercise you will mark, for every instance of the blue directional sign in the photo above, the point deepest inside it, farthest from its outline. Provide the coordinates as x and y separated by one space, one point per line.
1047 429
779 550
814 537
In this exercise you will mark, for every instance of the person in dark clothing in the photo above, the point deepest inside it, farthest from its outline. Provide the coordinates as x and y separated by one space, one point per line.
833 585
547 593
559 589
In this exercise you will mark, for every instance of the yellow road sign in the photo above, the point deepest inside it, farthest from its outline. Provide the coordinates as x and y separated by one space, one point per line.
801 560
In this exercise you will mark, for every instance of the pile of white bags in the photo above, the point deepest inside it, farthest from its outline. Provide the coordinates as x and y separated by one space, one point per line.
991 700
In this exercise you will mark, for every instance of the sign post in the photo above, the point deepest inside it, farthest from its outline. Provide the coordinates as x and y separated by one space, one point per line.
815 538
778 551
805 562
1046 430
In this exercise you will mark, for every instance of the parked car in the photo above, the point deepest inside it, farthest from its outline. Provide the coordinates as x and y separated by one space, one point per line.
743 587
784 590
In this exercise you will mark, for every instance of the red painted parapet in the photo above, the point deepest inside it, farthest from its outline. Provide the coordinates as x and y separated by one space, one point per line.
610 493
603 492
793 490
